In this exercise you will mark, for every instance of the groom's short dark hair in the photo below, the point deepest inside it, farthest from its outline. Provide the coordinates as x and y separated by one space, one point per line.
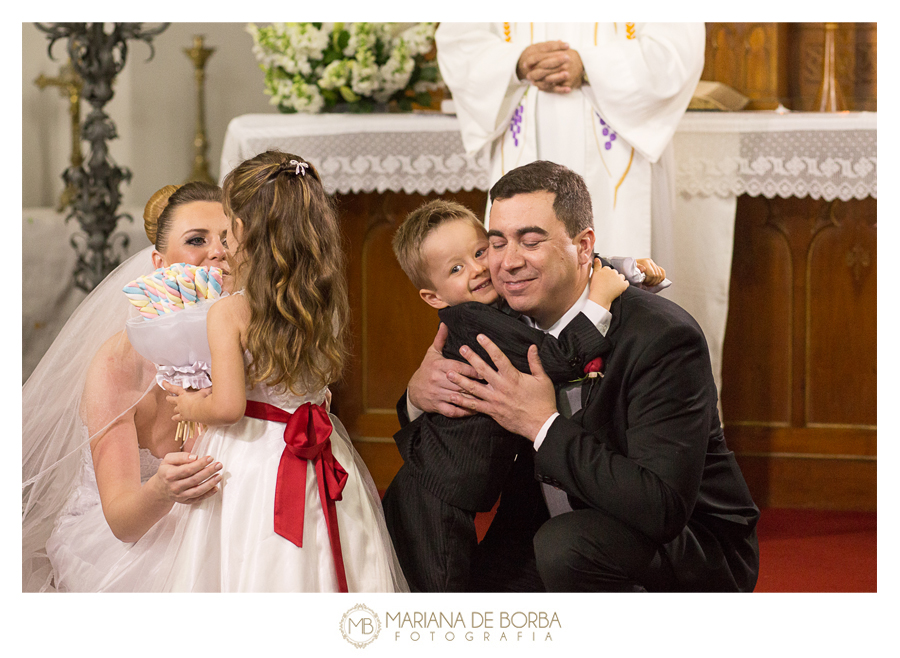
572 204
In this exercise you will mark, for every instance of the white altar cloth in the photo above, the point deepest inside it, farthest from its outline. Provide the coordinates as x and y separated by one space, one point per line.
717 153
364 152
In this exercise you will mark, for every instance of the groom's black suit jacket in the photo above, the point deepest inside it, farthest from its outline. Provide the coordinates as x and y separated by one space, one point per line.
648 447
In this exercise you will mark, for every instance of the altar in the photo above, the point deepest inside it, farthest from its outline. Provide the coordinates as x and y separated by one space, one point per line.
774 230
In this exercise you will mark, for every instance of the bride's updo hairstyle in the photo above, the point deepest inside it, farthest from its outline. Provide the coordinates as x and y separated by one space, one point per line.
291 263
165 201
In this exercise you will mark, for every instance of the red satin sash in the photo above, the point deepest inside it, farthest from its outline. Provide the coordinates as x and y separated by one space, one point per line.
307 439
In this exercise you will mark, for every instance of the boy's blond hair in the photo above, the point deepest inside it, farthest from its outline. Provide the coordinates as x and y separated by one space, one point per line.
417 226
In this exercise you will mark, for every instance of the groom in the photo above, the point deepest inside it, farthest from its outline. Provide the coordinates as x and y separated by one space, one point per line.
630 485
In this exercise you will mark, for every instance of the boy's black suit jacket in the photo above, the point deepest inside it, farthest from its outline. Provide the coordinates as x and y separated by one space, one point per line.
465 461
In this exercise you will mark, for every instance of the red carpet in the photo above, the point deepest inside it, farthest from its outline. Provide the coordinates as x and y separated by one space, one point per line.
817 551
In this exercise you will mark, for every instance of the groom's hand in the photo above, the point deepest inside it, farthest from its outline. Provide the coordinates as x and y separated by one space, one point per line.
429 389
521 403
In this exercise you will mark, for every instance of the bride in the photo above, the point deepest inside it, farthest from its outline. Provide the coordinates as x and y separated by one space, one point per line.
79 393
107 490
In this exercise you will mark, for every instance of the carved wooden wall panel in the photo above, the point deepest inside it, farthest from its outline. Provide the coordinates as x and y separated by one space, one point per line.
752 58
866 86
799 402
807 48
391 308
816 481
841 361
756 387
774 63
391 326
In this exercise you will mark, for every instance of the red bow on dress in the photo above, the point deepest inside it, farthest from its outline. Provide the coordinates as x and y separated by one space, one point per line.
307 438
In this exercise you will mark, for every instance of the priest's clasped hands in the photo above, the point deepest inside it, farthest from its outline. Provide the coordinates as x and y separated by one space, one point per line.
551 66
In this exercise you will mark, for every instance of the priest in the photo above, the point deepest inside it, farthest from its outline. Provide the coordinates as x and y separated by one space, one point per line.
602 99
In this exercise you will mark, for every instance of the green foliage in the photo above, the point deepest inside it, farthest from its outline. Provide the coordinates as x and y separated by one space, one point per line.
313 67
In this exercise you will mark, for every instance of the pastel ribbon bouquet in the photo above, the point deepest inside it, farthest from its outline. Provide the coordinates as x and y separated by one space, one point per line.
171 330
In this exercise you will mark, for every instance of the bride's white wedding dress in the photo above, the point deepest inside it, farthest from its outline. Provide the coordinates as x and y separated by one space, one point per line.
228 542
83 550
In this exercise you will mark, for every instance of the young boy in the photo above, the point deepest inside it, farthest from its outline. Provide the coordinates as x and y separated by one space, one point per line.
454 468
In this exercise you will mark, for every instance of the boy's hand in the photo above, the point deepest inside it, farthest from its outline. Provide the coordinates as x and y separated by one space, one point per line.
606 285
653 273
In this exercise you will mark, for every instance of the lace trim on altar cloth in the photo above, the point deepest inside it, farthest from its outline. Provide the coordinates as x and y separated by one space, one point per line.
822 165
808 154
414 163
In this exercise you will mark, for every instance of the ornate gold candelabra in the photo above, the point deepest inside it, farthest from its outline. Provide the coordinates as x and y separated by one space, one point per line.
198 55
69 83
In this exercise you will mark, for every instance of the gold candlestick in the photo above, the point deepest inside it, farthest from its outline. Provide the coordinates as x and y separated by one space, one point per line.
69 83
198 55
830 98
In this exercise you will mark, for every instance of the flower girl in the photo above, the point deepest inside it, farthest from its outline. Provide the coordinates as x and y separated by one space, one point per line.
298 510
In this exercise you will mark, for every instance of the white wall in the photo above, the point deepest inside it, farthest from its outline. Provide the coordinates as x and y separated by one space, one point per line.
154 109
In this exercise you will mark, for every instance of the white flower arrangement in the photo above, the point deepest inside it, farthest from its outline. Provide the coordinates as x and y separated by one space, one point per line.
313 67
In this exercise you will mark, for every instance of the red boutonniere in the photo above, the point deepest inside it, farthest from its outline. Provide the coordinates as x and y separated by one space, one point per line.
592 369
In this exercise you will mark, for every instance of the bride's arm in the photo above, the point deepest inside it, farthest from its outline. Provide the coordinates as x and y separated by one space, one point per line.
130 508
225 402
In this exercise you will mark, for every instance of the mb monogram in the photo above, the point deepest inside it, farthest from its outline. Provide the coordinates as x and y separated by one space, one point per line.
360 625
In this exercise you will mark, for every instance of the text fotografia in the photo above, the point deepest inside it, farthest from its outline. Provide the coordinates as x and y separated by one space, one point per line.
478 626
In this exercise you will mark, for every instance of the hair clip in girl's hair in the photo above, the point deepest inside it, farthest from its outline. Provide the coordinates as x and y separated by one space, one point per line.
301 167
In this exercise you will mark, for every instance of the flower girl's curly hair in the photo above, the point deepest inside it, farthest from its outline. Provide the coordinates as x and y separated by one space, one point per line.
291 263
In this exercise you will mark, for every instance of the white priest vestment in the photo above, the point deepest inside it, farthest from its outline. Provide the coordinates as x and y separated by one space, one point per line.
615 130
